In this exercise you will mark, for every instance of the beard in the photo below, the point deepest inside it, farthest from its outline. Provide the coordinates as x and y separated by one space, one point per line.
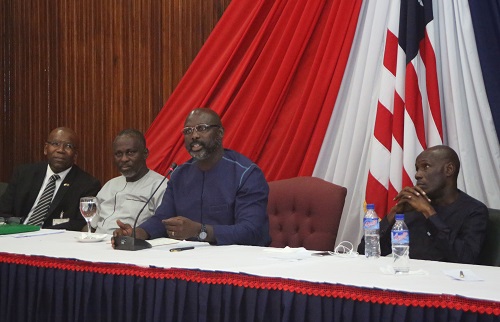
128 173
206 151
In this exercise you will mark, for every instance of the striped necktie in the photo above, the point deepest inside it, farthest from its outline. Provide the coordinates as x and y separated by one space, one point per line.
43 205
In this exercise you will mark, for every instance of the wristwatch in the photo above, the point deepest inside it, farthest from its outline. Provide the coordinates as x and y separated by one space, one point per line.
203 233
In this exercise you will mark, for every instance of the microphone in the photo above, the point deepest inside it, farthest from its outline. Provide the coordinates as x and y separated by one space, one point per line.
130 242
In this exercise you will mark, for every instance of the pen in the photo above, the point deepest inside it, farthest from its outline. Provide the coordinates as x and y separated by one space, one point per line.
36 234
180 249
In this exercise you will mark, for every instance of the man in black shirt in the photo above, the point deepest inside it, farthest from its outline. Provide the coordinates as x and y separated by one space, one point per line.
445 224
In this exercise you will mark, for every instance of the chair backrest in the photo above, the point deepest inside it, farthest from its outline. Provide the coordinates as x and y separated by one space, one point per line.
3 186
490 254
305 212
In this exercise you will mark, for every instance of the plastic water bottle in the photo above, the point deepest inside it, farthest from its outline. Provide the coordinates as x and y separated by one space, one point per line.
400 238
371 227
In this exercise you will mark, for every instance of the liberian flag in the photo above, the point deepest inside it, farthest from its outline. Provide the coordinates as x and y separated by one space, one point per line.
408 117
350 91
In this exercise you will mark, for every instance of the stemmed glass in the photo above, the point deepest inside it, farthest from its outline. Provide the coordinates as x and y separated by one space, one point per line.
88 208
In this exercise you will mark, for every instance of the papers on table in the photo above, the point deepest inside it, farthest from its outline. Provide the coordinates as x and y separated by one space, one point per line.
162 241
287 253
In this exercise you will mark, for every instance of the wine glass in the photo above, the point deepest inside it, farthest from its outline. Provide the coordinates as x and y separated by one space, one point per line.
88 208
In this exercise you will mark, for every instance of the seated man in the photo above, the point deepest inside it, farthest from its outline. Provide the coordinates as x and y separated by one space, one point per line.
48 193
218 196
123 197
445 224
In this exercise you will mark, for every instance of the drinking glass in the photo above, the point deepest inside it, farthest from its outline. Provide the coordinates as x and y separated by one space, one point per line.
88 208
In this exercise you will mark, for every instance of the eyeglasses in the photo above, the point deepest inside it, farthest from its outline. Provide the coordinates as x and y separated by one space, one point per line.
188 130
66 146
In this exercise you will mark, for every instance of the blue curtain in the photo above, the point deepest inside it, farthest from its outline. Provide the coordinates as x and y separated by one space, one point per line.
486 20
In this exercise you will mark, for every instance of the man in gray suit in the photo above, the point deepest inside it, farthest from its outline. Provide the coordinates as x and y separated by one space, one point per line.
26 187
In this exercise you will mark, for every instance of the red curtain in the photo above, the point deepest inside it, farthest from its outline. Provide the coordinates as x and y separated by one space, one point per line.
272 70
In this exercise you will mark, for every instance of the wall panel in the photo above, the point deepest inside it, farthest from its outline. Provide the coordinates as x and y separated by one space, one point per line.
97 66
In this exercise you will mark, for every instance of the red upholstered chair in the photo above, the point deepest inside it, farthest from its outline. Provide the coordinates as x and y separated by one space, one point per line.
305 212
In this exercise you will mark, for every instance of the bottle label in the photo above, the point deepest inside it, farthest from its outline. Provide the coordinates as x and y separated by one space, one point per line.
400 237
371 223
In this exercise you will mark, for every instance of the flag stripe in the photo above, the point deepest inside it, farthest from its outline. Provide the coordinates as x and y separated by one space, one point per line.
415 92
385 122
414 102
429 60
391 52
397 127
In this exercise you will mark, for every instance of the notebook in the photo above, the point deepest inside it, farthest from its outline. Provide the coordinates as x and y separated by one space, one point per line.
16 228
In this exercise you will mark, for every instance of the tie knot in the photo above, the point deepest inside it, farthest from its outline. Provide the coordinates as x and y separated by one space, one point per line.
54 177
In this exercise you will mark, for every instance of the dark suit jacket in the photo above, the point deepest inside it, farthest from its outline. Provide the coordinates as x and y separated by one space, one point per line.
25 185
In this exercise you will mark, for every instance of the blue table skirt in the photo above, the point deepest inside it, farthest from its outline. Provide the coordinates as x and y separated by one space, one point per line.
36 288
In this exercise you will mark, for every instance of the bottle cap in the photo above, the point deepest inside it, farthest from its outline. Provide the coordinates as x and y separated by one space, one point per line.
370 206
400 217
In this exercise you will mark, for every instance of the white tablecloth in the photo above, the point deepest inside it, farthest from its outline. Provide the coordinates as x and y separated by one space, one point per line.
429 278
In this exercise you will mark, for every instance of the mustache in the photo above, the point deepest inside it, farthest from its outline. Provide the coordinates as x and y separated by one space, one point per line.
126 164
198 143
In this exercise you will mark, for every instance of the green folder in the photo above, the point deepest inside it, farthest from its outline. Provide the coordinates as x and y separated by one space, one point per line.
16 228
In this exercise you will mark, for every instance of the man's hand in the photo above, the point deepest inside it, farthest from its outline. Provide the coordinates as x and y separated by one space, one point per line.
124 230
409 199
181 227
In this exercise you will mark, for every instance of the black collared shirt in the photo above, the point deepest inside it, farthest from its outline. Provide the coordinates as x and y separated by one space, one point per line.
454 234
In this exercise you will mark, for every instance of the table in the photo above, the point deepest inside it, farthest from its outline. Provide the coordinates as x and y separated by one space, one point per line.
54 277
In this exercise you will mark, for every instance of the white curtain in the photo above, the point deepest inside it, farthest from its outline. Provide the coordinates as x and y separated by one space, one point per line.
468 124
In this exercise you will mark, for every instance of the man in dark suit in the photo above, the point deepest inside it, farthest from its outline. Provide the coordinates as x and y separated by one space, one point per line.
444 223
28 183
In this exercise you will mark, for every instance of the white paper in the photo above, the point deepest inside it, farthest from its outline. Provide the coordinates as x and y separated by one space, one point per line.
287 253
286 250
162 241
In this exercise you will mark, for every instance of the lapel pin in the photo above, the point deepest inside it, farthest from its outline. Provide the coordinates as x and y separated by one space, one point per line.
66 184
